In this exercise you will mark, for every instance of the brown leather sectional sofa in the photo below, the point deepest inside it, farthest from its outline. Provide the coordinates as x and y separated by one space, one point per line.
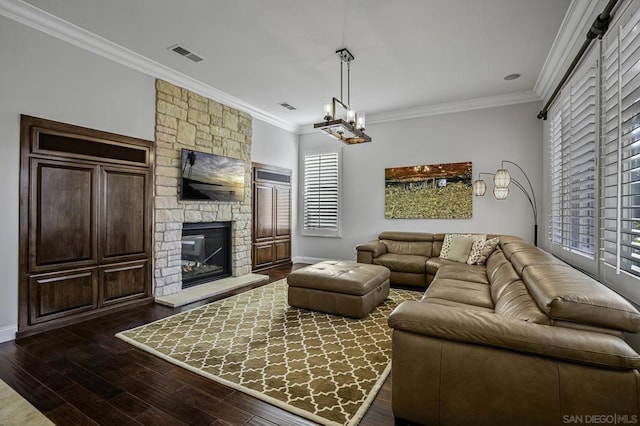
525 339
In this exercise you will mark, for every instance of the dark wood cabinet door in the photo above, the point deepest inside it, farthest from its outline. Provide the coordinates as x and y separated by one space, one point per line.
271 240
263 211
61 294
283 211
123 214
263 254
123 281
282 251
62 228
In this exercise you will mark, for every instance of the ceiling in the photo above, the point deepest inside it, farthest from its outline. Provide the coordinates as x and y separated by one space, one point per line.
408 53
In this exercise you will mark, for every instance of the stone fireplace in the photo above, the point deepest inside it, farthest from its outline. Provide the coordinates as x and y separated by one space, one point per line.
187 120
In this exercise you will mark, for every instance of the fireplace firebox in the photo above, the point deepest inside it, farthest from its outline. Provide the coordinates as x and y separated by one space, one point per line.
206 252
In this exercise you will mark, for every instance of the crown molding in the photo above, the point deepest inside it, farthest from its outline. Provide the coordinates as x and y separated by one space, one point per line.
446 108
570 36
47 23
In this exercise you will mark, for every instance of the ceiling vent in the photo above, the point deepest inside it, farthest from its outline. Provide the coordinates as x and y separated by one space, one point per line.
182 51
287 106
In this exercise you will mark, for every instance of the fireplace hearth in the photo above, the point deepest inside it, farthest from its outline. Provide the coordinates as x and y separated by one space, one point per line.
206 252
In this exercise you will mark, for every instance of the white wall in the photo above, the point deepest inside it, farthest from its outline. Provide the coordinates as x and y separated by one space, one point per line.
482 136
48 78
277 147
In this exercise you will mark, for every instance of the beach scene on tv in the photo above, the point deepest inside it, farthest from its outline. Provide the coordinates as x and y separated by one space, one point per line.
211 177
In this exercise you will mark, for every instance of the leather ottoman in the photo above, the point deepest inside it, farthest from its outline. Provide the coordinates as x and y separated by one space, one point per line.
343 288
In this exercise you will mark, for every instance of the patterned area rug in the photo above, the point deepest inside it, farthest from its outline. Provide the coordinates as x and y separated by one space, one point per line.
322 367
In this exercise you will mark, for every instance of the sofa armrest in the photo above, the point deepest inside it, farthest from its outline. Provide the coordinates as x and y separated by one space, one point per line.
368 251
489 329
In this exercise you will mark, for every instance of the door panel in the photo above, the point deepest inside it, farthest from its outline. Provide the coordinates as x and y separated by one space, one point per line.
263 254
123 281
263 205
283 211
62 214
283 250
123 220
62 294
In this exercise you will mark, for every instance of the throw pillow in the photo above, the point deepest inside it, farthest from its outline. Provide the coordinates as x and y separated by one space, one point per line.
446 244
476 248
460 248
489 247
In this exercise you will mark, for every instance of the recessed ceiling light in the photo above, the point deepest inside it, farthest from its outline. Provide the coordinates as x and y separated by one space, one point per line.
512 76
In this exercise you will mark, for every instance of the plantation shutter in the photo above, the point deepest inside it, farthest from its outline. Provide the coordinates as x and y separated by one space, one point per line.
580 197
573 164
621 156
609 154
321 193
555 222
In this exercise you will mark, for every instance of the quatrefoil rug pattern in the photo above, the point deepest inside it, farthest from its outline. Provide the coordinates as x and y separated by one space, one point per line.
322 367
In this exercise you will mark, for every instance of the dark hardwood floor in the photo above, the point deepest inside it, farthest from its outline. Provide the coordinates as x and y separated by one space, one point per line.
83 375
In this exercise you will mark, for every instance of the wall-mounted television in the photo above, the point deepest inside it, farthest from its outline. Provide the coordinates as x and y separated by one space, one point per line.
211 177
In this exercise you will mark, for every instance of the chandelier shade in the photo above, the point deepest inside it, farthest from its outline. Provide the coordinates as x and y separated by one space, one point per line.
341 121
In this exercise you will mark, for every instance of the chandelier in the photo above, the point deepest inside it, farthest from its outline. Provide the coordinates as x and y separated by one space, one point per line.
340 120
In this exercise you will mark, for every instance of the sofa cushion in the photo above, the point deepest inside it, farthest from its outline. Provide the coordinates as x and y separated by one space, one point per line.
516 302
567 294
494 261
435 263
452 304
533 256
402 262
510 245
473 273
488 246
438 239
418 248
503 276
476 250
446 244
460 248
467 292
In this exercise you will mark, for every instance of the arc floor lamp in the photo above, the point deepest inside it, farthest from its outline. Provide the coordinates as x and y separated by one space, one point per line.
502 179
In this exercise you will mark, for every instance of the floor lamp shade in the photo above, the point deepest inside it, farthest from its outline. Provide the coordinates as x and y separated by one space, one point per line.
500 193
479 187
502 179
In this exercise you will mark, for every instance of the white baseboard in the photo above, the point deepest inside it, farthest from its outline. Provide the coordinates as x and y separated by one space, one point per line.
312 260
8 333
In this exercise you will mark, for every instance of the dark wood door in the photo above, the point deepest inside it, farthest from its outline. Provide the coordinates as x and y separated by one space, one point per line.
271 242
263 211
62 229
282 211
123 210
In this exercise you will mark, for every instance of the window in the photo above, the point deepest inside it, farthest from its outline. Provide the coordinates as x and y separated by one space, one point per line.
321 196
621 150
573 164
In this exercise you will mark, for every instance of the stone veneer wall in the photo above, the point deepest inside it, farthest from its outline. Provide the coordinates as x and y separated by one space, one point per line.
187 120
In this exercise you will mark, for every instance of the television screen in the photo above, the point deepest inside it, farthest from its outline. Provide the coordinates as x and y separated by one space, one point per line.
211 177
